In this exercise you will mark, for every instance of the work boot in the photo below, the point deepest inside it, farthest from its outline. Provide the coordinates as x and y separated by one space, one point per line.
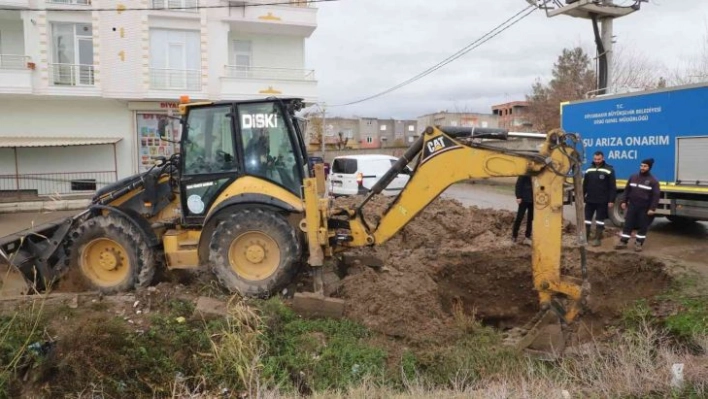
527 241
621 245
513 241
638 246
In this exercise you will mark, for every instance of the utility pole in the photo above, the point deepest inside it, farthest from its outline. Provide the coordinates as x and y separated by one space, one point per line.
324 130
604 11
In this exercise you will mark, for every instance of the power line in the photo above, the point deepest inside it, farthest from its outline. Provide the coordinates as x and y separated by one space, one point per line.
483 39
195 7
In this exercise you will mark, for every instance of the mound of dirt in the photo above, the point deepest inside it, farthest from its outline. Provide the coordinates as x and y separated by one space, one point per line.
454 254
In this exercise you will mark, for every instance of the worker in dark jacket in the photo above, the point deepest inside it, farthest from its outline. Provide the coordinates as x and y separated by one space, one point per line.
641 197
599 190
524 197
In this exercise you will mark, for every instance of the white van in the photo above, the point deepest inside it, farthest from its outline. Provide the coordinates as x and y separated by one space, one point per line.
356 174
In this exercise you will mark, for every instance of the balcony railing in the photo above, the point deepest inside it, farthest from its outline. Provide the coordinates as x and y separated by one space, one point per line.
245 72
177 5
178 79
39 184
12 61
71 2
72 74
291 3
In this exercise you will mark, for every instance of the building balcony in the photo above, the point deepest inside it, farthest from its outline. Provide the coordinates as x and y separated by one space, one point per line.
176 5
69 2
19 4
72 75
297 19
175 79
241 82
15 74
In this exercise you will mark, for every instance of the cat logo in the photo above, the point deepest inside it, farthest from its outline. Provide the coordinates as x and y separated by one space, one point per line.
436 145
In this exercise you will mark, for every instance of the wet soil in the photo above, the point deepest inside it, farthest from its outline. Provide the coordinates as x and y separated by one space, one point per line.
451 254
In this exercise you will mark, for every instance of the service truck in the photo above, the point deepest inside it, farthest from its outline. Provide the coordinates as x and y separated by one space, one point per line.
667 124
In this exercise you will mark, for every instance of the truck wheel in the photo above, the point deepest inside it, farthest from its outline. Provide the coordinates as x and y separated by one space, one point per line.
681 220
111 254
254 252
616 213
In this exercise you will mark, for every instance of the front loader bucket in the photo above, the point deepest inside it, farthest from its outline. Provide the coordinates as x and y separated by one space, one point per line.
12 282
30 258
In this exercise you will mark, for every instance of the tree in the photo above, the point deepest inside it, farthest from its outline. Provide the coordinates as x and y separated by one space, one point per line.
572 79
634 70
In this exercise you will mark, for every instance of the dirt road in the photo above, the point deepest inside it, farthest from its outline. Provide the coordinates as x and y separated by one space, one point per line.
665 240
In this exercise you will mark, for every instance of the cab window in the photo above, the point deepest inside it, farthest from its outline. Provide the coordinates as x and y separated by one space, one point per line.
268 149
209 142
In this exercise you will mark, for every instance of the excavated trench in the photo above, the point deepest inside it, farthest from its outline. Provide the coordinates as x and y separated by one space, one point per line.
451 255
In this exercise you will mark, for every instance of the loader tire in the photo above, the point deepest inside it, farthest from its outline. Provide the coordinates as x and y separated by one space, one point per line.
254 252
111 255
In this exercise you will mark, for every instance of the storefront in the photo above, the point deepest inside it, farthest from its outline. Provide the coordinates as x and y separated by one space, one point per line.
147 116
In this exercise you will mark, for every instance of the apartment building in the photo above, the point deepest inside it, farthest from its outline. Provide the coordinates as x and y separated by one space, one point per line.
85 82
444 118
513 116
365 133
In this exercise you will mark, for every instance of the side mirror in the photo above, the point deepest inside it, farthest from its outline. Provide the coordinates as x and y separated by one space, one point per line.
162 129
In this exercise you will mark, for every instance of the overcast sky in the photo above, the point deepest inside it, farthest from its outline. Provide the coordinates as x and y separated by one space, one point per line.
362 47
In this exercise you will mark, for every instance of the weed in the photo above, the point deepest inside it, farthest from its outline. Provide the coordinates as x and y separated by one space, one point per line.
316 354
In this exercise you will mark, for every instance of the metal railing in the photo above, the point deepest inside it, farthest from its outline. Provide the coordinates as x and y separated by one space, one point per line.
72 74
71 2
47 184
176 5
13 61
182 79
290 3
246 72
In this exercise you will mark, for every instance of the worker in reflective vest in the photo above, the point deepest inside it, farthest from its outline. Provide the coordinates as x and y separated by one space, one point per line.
641 197
599 190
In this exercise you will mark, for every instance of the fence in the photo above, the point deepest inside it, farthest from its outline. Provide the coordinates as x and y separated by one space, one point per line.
47 184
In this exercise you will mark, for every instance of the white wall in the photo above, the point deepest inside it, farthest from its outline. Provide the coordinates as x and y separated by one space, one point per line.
271 51
72 118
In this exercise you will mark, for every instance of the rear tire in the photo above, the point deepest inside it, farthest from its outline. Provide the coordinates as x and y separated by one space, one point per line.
111 254
254 252
616 213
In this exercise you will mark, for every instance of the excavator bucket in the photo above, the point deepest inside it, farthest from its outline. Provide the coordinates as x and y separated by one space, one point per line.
319 303
543 337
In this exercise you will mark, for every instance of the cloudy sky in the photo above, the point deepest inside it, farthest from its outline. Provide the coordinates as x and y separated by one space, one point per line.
363 47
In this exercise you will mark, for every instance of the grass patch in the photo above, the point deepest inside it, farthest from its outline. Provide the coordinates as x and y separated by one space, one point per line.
317 354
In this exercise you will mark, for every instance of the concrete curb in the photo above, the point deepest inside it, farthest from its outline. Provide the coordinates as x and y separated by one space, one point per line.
44 206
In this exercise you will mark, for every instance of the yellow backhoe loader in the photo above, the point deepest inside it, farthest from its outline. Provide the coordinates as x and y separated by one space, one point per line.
240 197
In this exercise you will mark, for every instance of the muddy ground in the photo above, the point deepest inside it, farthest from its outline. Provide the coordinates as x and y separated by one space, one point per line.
452 254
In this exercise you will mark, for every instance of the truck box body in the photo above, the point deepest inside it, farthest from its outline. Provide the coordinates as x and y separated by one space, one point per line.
669 125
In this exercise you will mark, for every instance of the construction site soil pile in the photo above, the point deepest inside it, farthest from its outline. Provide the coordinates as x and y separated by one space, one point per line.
451 254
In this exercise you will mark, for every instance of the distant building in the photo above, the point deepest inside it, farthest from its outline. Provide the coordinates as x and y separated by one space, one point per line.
513 116
356 133
466 119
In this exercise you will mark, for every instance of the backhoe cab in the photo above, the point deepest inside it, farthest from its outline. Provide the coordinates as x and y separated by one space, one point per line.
240 198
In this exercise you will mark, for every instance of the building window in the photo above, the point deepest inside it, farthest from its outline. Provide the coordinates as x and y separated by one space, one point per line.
242 58
175 59
411 128
369 140
383 128
72 54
